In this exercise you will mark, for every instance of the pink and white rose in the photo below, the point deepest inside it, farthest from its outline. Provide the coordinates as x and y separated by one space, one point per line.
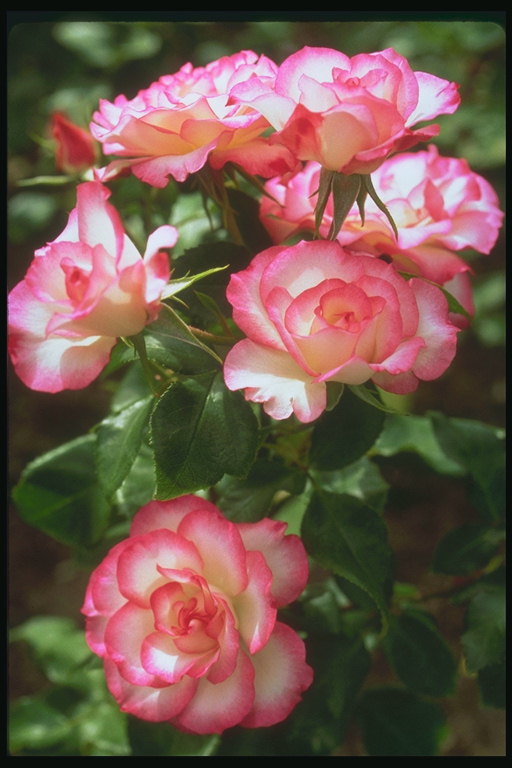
349 114
185 120
439 205
82 291
314 313
183 613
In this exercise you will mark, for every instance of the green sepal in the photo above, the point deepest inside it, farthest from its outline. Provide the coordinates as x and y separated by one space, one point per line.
367 181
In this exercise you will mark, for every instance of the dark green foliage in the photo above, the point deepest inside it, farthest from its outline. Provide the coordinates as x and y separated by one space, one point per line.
199 432
396 723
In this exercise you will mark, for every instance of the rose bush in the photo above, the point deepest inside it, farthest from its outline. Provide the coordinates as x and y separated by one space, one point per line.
183 613
439 206
83 290
314 313
348 114
184 120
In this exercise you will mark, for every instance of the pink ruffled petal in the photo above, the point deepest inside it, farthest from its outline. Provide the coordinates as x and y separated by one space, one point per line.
281 676
254 607
403 358
95 634
156 170
98 221
138 569
223 554
285 556
273 378
56 363
436 97
124 636
318 63
161 657
438 333
223 628
216 707
103 595
168 514
243 292
258 157
154 704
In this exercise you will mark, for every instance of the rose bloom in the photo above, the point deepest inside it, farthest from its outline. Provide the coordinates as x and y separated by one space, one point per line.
349 114
439 206
74 147
83 290
182 121
183 613
314 312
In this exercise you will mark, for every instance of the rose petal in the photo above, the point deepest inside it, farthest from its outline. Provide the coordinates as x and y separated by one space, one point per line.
168 514
285 556
216 707
221 549
254 607
281 676
273 378
154 704
138 568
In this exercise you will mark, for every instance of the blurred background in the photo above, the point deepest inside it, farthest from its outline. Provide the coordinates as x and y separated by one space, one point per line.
61 63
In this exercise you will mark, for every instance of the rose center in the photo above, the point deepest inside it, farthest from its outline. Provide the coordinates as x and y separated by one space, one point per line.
77 281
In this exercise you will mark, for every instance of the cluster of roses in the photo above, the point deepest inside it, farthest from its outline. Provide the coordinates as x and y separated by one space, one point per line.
183 639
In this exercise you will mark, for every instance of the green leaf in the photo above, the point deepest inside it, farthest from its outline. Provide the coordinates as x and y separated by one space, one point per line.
180 284
201 431
293 509
171 344
397 723
102 729
484 640
480 450
193 222
119 438
340 666
374 398
361 479
415 434
59 494
178 329
492 682
345 434
466 549
139 486
419 655
58 646
347 537
35 725
249 499
133 386
322 604
162 740
205 257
